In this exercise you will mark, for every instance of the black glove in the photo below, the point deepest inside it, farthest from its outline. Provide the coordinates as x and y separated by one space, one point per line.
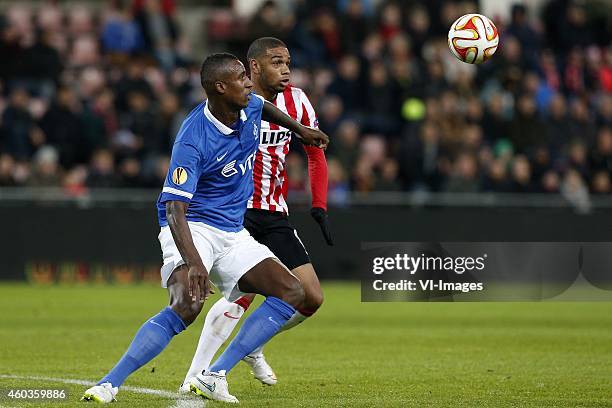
320 216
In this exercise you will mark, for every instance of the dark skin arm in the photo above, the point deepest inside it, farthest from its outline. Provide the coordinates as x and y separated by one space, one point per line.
199 285
308 135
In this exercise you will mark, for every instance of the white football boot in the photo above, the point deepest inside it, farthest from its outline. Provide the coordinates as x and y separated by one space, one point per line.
212 386
104 393
184 388
261 369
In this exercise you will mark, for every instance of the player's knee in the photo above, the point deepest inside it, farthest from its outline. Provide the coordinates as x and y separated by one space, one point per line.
293 293
313 301
187 309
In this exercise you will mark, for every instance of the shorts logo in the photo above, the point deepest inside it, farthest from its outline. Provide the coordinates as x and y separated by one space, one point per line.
179 176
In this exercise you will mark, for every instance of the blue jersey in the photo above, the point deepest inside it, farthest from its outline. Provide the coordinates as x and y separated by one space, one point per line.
212 167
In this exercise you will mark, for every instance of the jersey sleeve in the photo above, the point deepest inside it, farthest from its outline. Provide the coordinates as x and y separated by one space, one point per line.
183 174
317 164
309 117
317 172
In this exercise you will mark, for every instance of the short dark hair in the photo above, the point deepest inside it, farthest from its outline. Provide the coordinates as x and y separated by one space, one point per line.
213 68
261 45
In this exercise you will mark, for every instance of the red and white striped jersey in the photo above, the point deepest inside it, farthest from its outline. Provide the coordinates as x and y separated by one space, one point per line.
269 172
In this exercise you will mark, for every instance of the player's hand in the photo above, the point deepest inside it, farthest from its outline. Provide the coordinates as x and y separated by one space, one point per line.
314 137
320 216
199 284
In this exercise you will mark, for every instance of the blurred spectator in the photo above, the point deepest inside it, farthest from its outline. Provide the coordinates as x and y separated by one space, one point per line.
419 158
7 167
140 120
17 126
101 171
354 26
120 33
521 176
557 125
159 32
550 182
601 183
42 61
347 84
46 170
134 81
338 186
575 191
526 130
521 29
296 173
494 123
74 181
130 173
64 130
601 155
496 178
464 175
387 179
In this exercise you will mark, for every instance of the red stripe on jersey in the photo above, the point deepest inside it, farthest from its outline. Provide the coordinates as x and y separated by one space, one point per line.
305 118
257 174
283 178
290 103
274 126
273 169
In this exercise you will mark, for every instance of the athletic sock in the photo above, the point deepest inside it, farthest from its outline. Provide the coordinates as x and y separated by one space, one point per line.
257 329
296 319
152 337
220 321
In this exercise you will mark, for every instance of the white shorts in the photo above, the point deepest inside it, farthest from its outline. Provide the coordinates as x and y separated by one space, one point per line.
226 255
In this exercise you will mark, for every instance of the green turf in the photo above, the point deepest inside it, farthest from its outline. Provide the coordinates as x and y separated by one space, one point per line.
351 354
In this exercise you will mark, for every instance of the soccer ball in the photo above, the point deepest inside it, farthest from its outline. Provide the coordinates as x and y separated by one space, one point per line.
473 38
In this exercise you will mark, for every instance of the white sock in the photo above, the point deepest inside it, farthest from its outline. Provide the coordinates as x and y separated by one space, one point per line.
217 329
293 321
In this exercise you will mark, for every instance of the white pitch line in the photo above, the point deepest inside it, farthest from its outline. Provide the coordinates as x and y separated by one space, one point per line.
182 401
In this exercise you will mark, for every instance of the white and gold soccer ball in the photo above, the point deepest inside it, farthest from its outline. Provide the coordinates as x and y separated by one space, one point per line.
473 38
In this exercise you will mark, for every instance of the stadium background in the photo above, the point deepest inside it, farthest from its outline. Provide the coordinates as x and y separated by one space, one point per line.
423 147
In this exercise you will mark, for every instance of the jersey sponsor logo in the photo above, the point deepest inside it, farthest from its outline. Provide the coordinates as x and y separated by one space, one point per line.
230 168
274 137
226 314
255 130
179 176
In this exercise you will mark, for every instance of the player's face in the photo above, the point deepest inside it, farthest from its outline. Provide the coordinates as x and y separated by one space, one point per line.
275 68
238 85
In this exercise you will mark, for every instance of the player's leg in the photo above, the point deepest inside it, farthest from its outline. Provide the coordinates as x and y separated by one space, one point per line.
223 316
283 292
155 334
284 241
219 324
152 337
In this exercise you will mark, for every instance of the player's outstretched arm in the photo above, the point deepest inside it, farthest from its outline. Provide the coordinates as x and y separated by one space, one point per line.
199 286
308 135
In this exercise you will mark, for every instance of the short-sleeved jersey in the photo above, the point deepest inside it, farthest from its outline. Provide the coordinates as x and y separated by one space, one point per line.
270 174
211 167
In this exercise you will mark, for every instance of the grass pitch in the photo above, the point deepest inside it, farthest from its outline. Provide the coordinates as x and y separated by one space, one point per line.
350 354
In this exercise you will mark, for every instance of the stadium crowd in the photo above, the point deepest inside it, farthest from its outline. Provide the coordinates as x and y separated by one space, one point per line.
92 97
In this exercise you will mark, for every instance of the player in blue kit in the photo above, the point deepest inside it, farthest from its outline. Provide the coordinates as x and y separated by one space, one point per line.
201 210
